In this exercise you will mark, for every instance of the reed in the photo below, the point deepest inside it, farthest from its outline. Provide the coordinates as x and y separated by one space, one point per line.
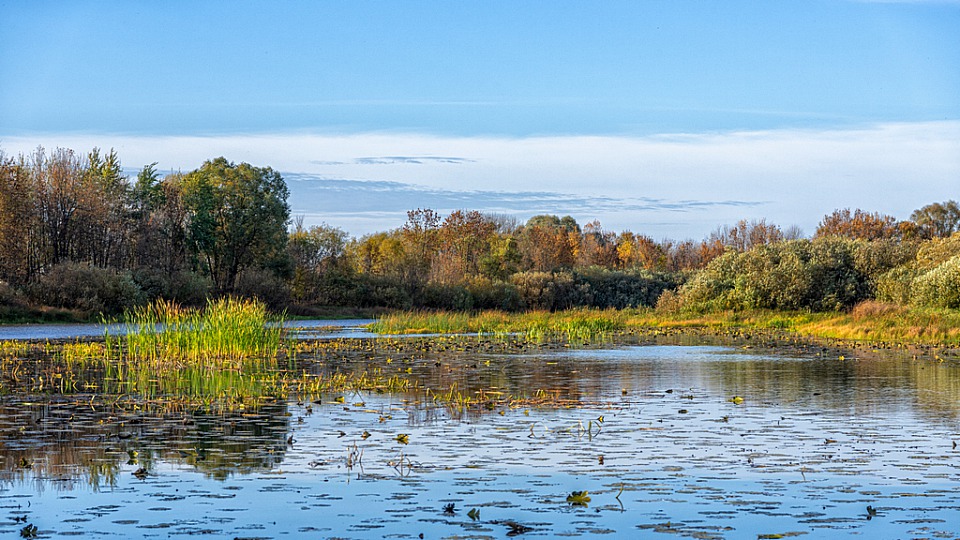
577 324
224 334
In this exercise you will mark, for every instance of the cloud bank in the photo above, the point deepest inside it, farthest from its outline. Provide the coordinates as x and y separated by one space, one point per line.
672 185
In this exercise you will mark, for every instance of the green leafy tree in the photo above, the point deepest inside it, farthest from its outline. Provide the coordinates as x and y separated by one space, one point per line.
937 220
238 218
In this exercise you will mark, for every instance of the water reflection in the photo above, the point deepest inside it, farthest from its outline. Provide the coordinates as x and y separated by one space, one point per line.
63 444
651 432
302 329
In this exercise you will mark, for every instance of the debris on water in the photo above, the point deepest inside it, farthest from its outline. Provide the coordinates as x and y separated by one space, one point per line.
515 528
474 514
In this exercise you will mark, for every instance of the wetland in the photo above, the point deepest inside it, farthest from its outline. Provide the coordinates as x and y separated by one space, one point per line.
344 434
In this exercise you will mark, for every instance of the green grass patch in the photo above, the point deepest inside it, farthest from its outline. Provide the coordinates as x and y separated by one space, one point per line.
870 321
573 325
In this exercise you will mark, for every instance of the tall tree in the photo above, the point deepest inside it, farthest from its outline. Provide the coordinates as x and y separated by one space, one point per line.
19 226
238 218
937 220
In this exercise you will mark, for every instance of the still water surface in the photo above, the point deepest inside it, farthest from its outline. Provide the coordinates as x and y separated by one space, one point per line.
818 447
303 329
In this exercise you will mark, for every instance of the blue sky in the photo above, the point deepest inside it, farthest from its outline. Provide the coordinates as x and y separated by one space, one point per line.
666 118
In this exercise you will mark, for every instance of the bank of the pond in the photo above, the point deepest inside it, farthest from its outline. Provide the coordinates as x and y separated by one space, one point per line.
870 322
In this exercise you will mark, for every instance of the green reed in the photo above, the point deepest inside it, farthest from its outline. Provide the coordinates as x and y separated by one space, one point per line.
224 334
573 325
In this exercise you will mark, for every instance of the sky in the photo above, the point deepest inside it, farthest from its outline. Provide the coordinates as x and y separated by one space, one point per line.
666 118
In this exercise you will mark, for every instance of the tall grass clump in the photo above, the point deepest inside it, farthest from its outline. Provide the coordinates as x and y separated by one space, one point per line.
226 332
574 324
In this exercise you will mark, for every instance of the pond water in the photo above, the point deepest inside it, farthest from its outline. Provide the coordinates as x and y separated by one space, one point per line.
667 441
304 329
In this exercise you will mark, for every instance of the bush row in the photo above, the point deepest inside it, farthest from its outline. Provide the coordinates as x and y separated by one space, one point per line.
825 274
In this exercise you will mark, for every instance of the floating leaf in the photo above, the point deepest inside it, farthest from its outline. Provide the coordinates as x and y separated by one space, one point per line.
30 531
736 400
474 514
403 438
578 498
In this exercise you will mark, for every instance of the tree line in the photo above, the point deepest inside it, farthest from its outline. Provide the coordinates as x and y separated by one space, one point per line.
76 233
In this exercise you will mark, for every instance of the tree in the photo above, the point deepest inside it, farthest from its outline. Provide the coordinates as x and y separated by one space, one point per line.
464 239
106 234
858 225
937 220
19 254
597 247
314 252
548 243
237 218
746 235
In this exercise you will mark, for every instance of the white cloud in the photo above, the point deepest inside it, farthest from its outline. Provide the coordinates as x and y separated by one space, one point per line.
787 176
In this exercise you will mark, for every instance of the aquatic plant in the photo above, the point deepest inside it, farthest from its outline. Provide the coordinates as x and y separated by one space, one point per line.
227 330
573 325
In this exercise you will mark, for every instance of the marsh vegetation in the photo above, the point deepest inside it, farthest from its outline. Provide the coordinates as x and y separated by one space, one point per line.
713 433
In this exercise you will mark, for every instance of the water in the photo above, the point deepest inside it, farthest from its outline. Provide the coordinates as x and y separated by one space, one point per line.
304 329
818 446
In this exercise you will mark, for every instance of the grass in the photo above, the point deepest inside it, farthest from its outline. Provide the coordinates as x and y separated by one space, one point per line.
227 331
869 321
233 354
572 325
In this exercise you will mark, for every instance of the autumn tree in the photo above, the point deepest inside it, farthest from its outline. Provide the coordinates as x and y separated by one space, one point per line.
858 225
315 252
597 247
745 235
463 241
237 218
640 251
19 226
549 243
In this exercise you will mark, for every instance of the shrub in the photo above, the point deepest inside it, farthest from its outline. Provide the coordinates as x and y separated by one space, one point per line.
940 287
87 288
446 296
265 286
622 289
896 284
184 287
937 251
826 274
382 291
494 294
548 291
